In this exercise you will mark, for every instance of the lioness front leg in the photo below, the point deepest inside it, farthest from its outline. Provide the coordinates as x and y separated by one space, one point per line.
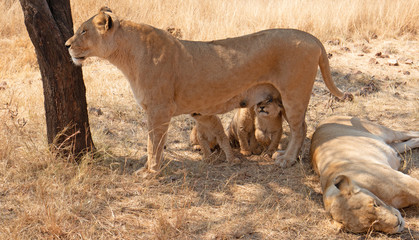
298 130
158 124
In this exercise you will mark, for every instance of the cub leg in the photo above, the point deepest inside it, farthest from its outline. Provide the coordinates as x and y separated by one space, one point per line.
211 127
254 145
204 143
222 138
225 146
273 146
243 137
193 138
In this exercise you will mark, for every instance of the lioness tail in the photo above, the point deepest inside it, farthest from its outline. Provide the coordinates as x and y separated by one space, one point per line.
327 77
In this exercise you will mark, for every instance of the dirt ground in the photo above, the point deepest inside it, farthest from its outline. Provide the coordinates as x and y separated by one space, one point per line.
42 198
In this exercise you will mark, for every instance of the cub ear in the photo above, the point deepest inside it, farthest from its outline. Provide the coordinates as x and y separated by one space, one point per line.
103 22
344 184
105 9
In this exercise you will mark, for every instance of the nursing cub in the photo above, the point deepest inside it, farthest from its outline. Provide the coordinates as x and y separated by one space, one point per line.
257 129
357 161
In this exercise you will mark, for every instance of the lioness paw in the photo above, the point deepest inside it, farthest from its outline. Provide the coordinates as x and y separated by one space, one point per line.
146 173
282 160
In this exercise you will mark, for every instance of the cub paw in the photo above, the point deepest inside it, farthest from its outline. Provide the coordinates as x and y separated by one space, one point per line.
245 152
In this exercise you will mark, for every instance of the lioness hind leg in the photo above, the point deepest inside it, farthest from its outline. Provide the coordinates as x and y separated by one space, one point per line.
289 157
387 134
406 145
399 140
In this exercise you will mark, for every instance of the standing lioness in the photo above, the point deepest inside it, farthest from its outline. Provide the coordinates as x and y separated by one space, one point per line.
169 76
357 162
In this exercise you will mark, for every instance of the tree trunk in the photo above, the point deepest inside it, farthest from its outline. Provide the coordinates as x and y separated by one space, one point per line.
49 24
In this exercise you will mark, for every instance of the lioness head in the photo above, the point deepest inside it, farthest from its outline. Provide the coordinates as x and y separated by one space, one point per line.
270 107
358 210
94 37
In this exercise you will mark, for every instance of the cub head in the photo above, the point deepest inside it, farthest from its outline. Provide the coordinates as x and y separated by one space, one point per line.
95 37
271 107
358 210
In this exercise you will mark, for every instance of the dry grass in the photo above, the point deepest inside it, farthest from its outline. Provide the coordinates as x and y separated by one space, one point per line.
44 197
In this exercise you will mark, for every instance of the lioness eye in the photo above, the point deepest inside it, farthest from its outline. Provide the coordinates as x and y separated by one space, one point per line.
375 204
83 32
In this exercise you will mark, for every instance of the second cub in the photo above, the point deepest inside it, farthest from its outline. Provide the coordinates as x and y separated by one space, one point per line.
258 128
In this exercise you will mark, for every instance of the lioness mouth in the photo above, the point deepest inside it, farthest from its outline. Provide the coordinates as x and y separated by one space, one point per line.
80 58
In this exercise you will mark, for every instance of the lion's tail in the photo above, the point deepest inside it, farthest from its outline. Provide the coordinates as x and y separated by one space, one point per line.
327 77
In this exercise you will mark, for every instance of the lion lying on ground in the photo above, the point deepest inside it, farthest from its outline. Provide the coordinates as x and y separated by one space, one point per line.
258 128
210 132
357 162
170 77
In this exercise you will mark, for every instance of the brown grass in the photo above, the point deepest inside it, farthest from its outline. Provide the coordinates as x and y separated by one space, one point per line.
45 197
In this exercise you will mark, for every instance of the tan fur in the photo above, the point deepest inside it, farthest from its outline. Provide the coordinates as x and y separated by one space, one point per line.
209 132
193 139
170 77
357 162
257 128
268 125
241 131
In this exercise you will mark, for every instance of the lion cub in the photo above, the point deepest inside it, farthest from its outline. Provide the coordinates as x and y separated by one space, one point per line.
258 127
207 133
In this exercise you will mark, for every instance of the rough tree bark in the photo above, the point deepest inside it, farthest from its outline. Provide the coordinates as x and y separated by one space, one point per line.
49 24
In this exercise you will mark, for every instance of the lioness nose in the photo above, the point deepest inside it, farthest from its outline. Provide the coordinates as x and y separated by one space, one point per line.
67 44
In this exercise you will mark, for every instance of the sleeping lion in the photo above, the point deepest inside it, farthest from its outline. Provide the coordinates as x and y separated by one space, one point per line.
357 161
170 77
258 128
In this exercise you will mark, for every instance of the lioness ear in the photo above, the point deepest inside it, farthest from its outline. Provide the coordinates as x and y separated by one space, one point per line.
103 22
344 184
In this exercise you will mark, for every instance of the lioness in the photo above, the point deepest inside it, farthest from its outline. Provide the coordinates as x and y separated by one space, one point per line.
209 131
357 162
257 128
170 77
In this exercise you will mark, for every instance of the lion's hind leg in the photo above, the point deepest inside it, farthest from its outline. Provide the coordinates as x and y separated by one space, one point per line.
387 134
399 140
406 145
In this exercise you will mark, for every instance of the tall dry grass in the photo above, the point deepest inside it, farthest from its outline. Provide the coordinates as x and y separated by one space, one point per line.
205 20
45 197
